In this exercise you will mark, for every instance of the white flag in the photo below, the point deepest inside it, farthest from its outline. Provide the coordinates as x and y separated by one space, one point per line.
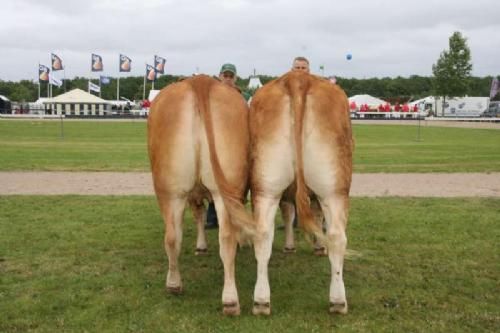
94 87
55 81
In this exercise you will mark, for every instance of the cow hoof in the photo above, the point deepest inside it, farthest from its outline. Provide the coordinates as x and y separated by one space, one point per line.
289 250
201 252
231 309
261 309
174 290
338 308
320 252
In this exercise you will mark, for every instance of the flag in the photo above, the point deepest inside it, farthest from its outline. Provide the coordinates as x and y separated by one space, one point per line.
125 63
94 87
43 73
96 63
495 87
56 62
321 67
160 64
150 73
105 80
55 81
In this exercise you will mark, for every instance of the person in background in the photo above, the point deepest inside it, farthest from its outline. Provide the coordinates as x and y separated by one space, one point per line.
300 64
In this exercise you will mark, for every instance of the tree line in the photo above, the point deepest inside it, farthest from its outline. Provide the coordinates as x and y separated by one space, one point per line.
398 89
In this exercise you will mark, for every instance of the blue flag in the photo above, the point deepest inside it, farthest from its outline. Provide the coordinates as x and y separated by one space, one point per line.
105 80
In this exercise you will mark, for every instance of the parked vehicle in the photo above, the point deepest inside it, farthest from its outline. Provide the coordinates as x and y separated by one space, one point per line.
493 110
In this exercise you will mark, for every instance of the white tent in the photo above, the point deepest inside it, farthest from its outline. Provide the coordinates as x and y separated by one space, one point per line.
366 99
75 103
254 82
76 96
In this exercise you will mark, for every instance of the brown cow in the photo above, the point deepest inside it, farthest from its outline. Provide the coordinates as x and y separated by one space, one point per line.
198 144
301 143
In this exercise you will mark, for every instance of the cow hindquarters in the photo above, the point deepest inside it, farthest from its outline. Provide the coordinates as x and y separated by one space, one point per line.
336 209
172 210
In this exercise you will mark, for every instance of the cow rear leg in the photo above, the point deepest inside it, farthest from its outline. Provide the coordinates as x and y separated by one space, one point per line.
265 211
336 210
227 252
199 215
172 211
288 214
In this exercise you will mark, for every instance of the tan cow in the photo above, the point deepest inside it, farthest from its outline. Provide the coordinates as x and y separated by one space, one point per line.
301 143
198 144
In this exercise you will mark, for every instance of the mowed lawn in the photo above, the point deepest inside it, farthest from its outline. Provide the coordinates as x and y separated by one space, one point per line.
121 146
96 264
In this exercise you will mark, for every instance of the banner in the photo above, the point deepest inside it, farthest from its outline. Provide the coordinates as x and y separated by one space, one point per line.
43 73
94 87
150 73
125 63
160 64
96 63
56 62
495 87
105 80
55 81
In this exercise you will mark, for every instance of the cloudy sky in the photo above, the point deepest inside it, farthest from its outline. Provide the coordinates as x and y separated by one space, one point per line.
385 37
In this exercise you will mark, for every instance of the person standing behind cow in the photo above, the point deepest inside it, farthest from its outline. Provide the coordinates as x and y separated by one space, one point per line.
300 64
227 75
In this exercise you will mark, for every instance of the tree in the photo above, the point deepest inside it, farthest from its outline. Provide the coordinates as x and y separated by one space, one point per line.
452 70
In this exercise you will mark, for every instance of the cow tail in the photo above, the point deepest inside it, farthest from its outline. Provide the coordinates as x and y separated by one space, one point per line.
297 88
233 202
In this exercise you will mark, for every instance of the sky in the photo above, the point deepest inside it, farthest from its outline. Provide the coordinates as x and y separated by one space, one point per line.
386 38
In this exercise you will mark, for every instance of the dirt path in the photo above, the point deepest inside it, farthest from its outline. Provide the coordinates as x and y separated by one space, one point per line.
372 185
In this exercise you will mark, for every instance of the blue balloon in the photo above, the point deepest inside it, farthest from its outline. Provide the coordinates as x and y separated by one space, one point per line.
348 56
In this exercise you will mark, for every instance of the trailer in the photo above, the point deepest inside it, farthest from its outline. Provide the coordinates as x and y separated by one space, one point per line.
461 106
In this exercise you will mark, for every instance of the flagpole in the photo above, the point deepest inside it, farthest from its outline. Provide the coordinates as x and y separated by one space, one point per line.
144 87
38 75
118 88
64 74
100 86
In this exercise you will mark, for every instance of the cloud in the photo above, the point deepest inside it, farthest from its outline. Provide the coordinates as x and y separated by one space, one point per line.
386 38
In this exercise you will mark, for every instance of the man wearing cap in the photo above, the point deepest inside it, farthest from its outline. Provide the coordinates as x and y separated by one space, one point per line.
227 75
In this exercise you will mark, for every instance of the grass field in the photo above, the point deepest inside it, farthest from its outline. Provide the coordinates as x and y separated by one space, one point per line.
121 146
96 264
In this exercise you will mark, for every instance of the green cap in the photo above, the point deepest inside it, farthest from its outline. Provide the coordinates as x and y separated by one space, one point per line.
228 68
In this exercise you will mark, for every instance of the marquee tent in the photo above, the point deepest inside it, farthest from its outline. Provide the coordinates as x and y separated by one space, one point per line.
254 83
366 99
76 103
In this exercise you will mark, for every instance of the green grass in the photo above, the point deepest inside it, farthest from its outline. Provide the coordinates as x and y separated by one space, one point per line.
86 146
396 149
96 264
121 146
